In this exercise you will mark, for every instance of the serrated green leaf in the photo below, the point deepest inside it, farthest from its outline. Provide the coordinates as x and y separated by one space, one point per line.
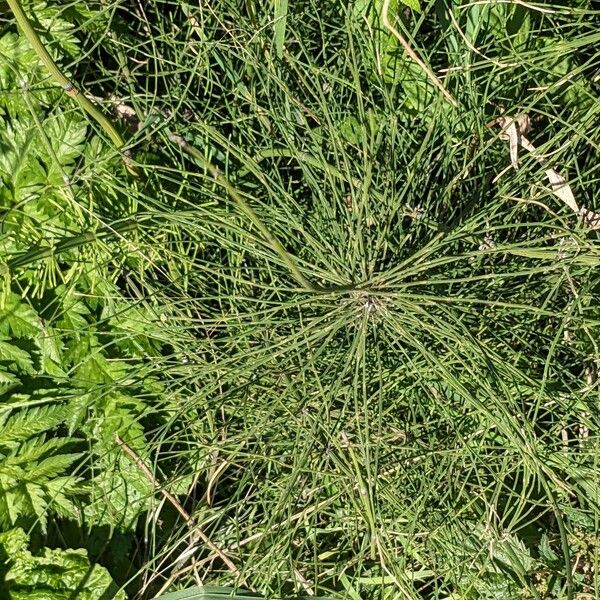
78 411
90 365
66 132
30 422
50 349
74 312
55 30
53 466
16 358
20 66
120 414
511 552
30 488
139 330
12 543
8 381
37 503
55 574
39 448
120 491
547 554
18 319
19 167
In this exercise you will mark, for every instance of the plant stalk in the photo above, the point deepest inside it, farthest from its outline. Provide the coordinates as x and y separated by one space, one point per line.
233 193
66 84
38 253
115 136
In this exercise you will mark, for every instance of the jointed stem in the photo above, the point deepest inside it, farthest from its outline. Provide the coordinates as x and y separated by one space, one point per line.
60 77
136 458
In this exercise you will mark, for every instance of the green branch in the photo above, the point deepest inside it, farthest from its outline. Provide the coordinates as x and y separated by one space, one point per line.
277 246
66 84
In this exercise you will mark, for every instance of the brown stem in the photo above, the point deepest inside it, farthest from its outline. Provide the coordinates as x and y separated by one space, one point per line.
175 503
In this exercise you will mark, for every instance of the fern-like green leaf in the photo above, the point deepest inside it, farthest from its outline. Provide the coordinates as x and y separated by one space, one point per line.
90 365
7 381
18 319
15 358
25 424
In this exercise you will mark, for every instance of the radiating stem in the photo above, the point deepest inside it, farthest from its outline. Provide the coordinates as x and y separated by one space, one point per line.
233 193
116 138
37 253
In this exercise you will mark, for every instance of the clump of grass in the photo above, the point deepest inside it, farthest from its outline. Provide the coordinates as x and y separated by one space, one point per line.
422 422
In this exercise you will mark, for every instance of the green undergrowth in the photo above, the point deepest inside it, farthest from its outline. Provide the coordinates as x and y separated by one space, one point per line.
420 421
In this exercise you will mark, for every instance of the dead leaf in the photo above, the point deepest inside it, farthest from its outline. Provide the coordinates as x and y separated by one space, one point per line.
590 218
514 130
562 189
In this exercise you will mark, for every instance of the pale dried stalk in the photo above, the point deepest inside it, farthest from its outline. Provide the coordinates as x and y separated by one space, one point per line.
536 7
304 583
175 503
474 48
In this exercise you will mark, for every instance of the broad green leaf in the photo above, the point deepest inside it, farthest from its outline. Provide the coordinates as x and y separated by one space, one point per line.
33 159
390 61
351 130
210 592
117 413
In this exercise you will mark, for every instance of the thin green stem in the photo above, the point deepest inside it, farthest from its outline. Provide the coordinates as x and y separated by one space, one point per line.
38 253
116 138
277 246
64 81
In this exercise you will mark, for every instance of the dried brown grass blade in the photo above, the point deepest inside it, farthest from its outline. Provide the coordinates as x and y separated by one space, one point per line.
514 130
